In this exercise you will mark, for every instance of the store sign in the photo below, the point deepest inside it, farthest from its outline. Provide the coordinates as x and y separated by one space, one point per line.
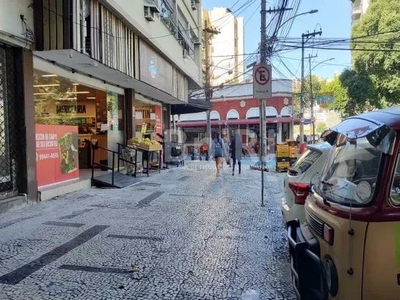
324 99
154 69
56 153
80 109
158 113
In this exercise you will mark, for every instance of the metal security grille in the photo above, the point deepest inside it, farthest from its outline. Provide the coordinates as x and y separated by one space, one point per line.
8 123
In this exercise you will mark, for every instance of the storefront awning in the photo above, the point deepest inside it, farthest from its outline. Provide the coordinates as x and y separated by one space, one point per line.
193 106
82 63
239 122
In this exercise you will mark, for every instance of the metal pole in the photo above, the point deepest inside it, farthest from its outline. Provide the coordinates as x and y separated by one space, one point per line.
263 57
312 101
302 92
208 92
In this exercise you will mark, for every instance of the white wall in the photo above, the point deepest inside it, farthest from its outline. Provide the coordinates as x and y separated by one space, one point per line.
11 23
223 46
159 35
240 57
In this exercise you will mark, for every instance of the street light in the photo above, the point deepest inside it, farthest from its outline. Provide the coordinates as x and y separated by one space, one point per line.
313 11
214 68
312 96
321 62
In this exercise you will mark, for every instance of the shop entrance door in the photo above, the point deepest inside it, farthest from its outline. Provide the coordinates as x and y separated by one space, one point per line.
8 123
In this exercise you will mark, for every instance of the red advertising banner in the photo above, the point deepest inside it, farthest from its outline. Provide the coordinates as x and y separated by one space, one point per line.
158 125
57 156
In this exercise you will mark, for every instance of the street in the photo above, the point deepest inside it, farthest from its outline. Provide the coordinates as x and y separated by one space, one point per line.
181 234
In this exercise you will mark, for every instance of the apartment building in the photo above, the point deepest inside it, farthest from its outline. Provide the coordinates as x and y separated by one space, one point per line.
99 72
17 159
111 70
227 46
359 8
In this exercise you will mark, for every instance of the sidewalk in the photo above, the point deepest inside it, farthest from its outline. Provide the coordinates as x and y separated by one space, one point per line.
182 234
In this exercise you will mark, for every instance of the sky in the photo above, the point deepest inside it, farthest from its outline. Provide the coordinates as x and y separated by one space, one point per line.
333 17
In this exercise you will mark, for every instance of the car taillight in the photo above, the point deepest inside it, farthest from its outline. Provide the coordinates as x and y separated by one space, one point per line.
300 191
328 234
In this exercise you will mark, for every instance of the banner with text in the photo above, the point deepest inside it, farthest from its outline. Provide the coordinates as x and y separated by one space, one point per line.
158 113
57 156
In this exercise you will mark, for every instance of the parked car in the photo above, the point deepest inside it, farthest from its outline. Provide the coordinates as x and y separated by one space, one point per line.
298 179
349 246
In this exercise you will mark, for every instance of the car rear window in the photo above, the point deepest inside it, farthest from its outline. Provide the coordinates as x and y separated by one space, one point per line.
305 161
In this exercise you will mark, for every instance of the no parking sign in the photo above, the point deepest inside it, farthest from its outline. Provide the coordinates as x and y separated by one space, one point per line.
262 81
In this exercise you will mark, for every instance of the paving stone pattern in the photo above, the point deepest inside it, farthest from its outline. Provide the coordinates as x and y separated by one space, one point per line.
181 235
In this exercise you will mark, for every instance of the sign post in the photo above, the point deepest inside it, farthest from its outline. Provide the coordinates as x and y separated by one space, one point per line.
262 89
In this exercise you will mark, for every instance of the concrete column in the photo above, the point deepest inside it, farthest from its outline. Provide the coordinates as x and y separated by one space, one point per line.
31 187
129 119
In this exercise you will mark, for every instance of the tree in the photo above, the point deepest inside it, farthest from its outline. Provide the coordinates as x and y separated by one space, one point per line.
379 30
361 95
318 85
340 96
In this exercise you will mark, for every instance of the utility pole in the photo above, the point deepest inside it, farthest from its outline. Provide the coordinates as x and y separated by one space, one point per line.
311 99
265 54
304 38
208 90
263 59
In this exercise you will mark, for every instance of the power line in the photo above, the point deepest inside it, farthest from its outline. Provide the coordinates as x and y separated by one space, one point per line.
344 49
248 3
251 16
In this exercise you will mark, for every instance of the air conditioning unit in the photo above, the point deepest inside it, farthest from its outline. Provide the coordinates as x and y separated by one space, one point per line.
148 14
150 11
185 53
196 41
194 6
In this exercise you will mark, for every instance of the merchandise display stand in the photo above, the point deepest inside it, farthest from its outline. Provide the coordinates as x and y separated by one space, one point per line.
147 154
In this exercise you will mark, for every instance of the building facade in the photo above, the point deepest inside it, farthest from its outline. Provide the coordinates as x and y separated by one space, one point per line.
17 134
227 46
359 8
105 72
234 108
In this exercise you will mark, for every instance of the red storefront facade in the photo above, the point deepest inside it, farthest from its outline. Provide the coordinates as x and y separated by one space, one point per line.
234 108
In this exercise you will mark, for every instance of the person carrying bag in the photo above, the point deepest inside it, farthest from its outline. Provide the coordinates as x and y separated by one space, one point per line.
219 153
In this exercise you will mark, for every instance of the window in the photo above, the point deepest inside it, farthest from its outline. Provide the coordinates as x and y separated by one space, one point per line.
350 173
395 190
305 161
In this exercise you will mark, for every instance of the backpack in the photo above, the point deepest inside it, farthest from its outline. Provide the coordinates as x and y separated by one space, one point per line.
218 149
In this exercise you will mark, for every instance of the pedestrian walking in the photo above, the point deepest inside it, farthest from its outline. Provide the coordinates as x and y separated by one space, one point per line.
236 150
218 151
225 138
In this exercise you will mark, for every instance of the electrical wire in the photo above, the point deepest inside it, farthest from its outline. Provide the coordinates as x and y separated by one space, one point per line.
285 65
279 39
241 10
252 14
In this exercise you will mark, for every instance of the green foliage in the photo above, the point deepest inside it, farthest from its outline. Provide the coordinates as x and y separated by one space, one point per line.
361 95
379 29
321 127
340 96
318 85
